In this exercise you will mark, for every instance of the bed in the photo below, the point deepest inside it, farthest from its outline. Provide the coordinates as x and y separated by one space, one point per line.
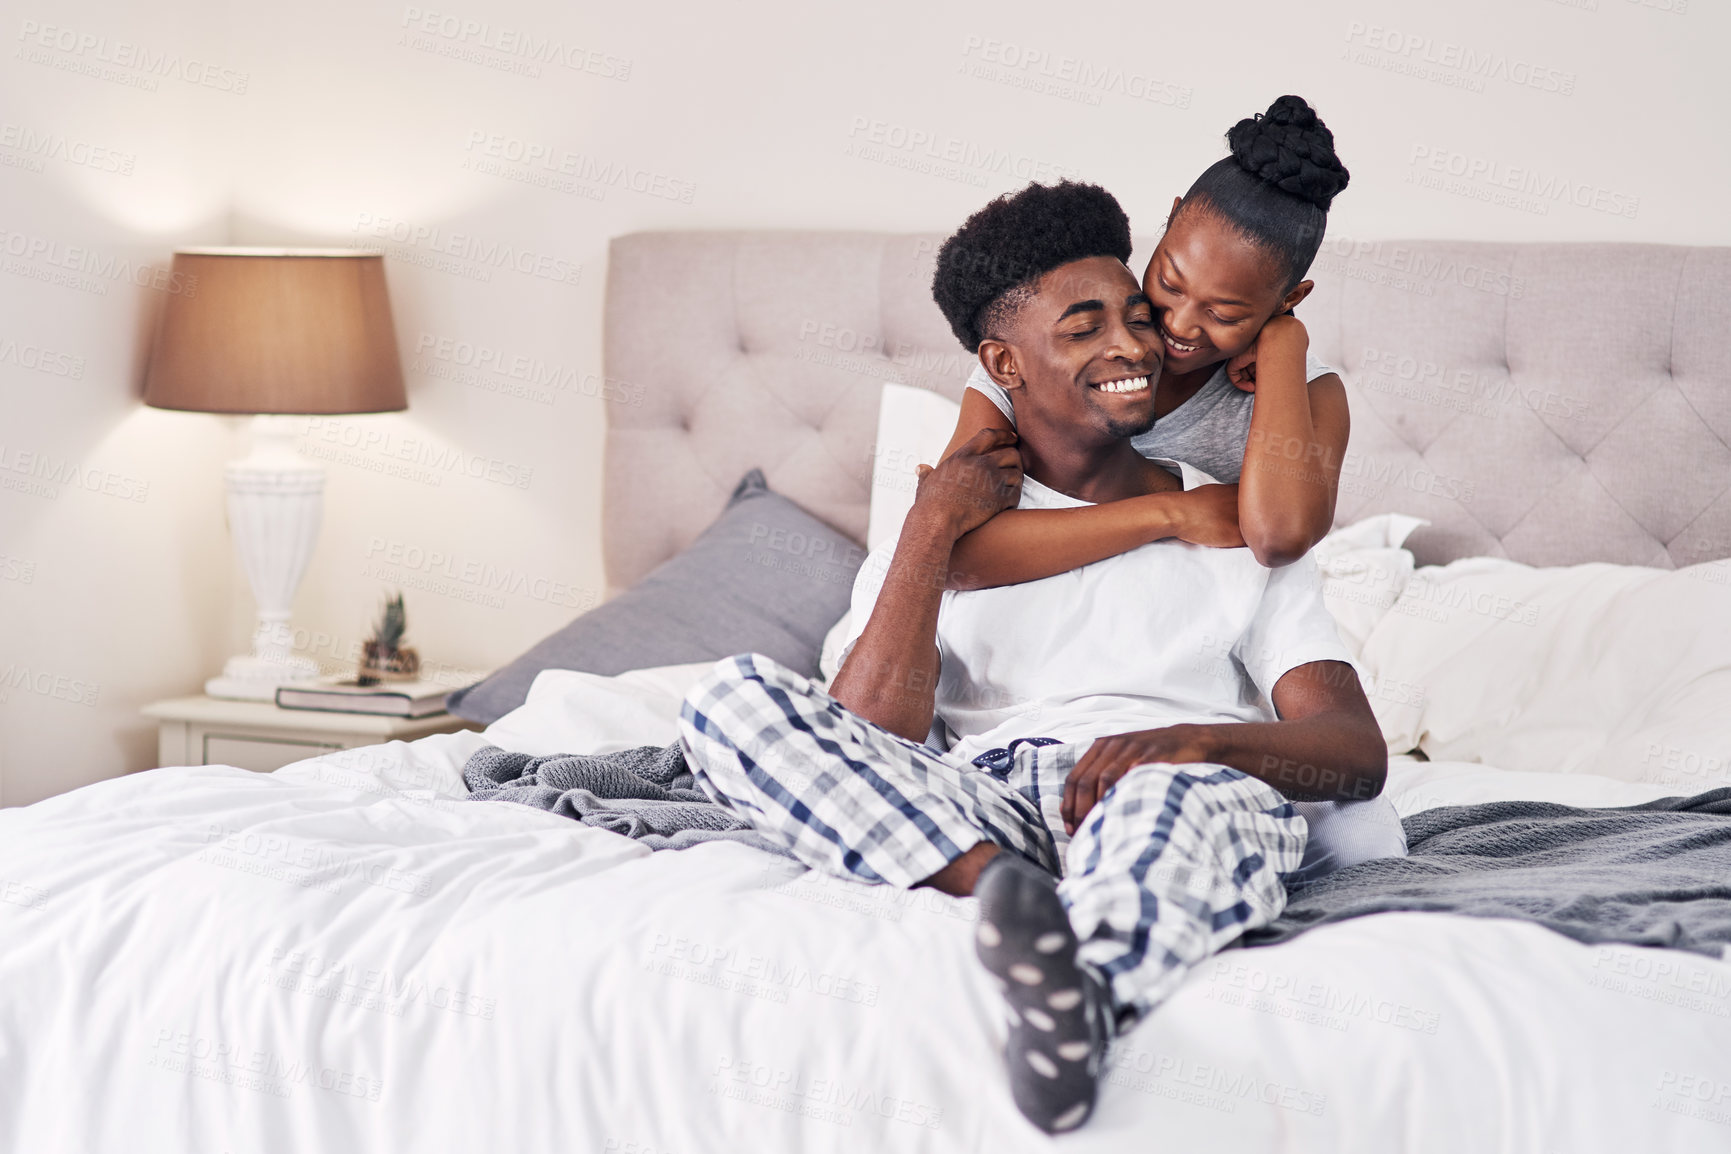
347 954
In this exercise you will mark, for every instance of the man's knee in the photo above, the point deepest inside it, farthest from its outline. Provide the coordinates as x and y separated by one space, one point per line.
744 672
731 714
1188 776
1161 776
724 674
1159 785
705 720
714 699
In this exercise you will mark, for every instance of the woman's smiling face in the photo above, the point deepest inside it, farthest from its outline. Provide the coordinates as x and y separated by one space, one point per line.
1212 290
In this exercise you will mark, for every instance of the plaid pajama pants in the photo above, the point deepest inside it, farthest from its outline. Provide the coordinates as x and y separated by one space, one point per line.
1173 864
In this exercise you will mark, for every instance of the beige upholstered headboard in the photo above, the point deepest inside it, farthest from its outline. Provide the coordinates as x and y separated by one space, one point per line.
1550 403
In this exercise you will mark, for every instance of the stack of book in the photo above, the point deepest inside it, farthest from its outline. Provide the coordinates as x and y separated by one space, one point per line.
340 694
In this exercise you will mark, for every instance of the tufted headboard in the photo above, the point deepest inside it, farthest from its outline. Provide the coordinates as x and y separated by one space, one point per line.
1551 403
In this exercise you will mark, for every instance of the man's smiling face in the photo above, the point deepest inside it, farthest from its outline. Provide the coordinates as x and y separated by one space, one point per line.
1081 352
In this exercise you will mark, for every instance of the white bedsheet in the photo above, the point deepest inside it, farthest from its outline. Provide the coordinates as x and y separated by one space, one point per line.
340 957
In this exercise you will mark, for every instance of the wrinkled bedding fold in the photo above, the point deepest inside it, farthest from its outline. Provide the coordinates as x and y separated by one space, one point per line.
1656 874
647 794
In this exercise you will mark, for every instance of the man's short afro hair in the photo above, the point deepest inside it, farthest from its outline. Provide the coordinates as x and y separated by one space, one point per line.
1014 241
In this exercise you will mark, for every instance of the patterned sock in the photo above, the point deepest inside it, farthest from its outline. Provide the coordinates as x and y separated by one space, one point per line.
1058 1010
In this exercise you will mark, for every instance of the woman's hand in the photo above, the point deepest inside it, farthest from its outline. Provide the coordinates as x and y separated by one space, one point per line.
1241 369
1206 515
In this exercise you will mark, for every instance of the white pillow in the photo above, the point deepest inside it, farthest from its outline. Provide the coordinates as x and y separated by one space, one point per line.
1616 670
1364 568
571 712
914 425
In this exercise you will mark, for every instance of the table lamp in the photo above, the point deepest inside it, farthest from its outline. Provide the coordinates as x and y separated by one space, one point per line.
268 332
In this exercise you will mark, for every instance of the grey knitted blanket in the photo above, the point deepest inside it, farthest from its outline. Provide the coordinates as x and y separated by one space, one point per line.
647 793
1657 874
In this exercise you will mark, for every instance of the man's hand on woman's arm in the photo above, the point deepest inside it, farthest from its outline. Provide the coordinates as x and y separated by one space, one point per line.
890 676
1325 747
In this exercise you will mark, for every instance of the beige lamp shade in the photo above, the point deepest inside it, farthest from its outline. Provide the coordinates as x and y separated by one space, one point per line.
276 331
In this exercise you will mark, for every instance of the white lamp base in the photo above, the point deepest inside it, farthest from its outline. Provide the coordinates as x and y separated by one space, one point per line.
251 678
275 504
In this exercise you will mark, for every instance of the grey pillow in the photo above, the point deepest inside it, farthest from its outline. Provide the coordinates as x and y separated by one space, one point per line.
767 577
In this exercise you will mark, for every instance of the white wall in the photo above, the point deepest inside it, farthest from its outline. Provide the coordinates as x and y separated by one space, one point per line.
195 121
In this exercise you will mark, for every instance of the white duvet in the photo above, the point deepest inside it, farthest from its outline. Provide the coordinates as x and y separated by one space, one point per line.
343 956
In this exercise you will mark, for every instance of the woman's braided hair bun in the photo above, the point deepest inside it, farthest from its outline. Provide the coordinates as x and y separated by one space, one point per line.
1290 148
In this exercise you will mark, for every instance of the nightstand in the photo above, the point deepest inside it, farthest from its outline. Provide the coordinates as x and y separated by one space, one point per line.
257 735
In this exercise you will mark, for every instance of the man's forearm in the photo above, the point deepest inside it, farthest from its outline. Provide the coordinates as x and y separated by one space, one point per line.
891 675
1321 758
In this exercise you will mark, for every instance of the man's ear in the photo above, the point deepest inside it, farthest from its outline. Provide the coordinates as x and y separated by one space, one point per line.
1299 291
1002 363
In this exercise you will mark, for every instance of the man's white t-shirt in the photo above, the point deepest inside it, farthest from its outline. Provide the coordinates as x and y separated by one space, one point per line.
1167 633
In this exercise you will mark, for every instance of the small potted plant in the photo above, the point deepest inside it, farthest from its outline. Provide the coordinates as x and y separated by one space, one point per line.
383 655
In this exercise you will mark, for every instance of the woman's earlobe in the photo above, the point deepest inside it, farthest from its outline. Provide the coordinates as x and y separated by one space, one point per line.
1294 298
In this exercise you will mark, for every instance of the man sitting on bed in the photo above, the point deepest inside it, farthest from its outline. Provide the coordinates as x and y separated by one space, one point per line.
1169 700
